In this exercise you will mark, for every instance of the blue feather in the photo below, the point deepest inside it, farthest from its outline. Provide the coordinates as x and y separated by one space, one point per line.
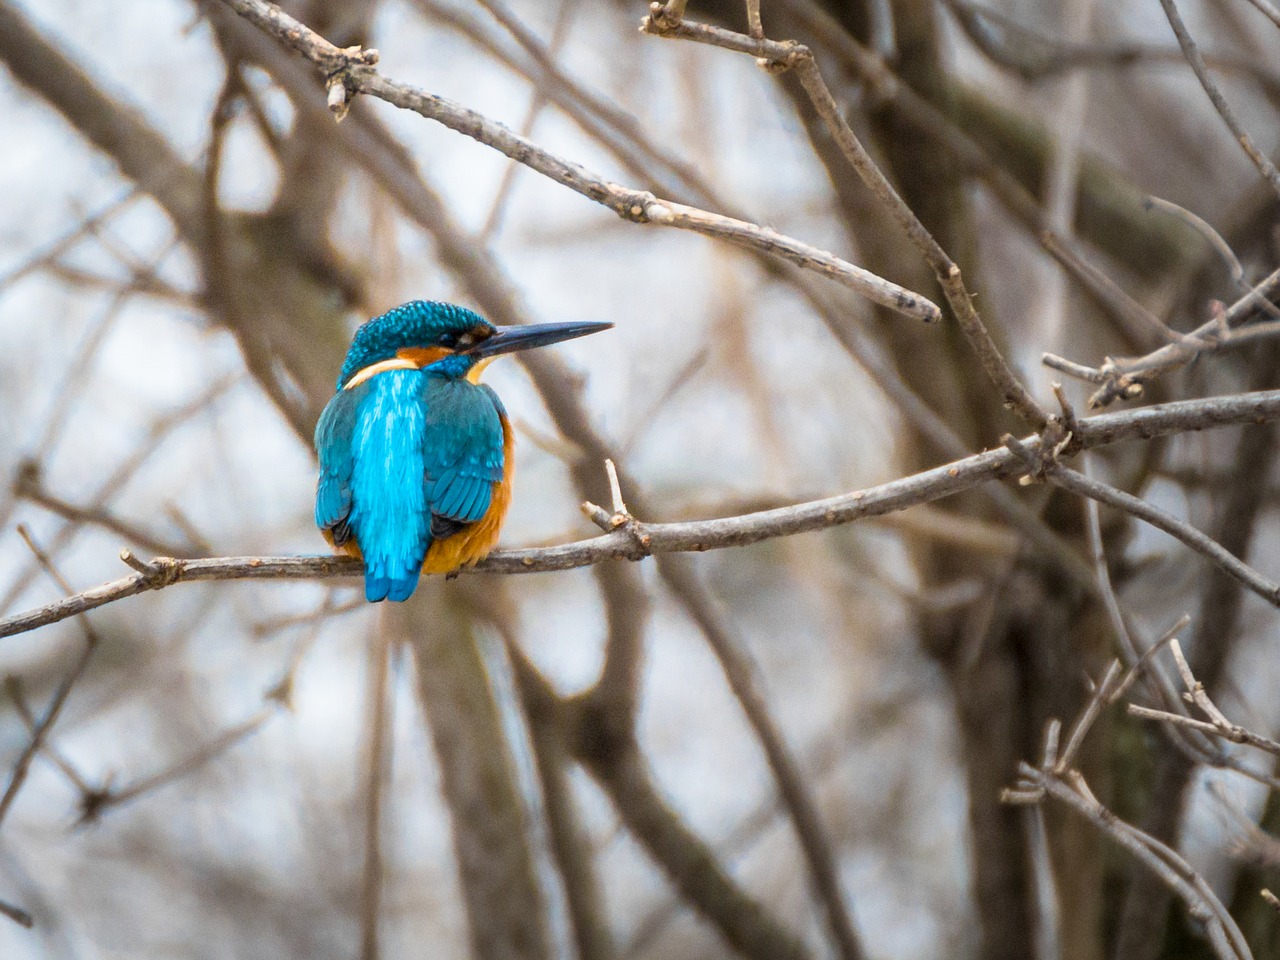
334 433
389 509
463 454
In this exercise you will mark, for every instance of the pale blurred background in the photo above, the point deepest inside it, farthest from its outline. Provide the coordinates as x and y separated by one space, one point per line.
158 377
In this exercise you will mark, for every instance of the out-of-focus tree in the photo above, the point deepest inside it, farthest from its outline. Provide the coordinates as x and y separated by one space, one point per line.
877 740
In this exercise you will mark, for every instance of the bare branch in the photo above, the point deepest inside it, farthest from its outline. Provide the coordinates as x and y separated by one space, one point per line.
17 914
1166 864
791 55
354 69
1055 776
699 535
1217 725
91 642
796 794
1194 57
1200 542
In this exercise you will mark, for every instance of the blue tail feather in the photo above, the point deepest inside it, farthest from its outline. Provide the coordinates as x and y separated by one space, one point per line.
396 589
390 515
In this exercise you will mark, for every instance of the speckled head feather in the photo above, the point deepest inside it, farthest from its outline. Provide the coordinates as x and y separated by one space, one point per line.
418 323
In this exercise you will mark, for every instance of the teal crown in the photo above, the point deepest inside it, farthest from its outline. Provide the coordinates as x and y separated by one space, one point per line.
418 323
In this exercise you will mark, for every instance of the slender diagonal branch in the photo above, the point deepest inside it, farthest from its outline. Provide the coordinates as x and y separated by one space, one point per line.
1198 541
1125 378
789 54
1196 60
353 70
800 803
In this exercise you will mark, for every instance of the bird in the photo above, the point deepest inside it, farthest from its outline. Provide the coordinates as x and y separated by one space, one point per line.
415 453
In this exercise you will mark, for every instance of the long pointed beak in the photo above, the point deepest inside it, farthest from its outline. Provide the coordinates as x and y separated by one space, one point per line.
511 339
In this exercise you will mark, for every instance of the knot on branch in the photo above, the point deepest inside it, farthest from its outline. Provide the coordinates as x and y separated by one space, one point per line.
93 803
1054 442
159 572
1116 379
26 480
341 84
620 518
1059 438
1116 384
641 541
639 206
662 18
784 60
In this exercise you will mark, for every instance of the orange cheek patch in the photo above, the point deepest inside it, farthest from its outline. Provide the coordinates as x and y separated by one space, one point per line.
423 356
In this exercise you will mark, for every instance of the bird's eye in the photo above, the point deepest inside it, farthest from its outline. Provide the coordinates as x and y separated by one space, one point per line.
449 340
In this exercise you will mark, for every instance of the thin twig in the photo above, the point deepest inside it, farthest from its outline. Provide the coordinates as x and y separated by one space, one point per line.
1124 379
1217 725
378 759
1267 10
13 688
30 486
19 916
97 802
1205 229
1196 60
789 54
1055 776
92 639
1171 869
159 431
793 785
1198 541
1102 696
537 103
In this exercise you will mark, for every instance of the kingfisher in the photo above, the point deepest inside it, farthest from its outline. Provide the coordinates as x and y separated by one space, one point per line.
415 453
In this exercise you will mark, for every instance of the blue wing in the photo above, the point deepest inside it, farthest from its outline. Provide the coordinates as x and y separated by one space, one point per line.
335 433
462 452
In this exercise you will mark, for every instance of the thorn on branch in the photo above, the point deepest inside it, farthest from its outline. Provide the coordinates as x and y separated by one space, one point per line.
341 90
1068 411
615 488
663 17
159 571
1055 439
338 102
620 518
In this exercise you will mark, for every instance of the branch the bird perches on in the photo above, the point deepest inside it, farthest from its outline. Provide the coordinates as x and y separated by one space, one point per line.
699 535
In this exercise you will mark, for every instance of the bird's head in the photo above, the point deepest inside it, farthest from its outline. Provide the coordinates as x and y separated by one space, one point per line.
457 341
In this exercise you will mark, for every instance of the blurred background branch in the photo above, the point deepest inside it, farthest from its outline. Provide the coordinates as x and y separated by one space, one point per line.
791 746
